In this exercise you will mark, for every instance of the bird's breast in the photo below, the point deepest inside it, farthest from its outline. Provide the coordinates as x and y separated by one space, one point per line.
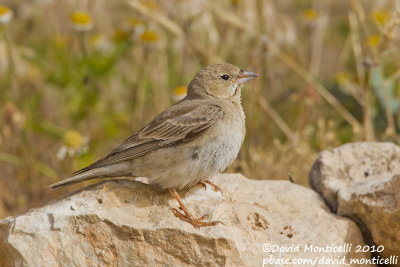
221 144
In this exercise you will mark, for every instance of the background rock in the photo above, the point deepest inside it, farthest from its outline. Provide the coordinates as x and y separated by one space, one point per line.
361 181
128 223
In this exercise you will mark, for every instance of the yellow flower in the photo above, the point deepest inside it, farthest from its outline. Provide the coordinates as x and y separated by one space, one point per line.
60 41
180 90
311 14
150 4
133 22
5 14
295 97
81 21
373 40
179 93
235 2
101 43
73 138
149 36
121 35
380 17
343 77
73 144
21 201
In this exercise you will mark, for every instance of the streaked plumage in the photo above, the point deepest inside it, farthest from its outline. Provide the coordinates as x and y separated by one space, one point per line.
190 142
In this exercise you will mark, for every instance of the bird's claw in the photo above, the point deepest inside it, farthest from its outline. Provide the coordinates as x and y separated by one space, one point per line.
197 223
203 185
215 187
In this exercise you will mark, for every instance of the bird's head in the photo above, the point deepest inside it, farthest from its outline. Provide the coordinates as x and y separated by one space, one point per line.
222 81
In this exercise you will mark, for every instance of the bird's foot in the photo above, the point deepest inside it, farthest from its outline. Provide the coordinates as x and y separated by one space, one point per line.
215 187
197 223
203 185
187 217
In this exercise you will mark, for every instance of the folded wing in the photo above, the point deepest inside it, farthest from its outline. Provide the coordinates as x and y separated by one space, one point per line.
180 123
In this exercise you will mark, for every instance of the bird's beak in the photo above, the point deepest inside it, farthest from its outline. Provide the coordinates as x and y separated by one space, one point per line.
245 76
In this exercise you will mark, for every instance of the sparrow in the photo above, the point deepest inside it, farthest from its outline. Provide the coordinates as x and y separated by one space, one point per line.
185 145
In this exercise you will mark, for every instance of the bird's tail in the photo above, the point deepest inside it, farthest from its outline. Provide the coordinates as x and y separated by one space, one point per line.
115 170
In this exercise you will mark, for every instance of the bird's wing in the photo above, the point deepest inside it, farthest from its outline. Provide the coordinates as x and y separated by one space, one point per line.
178 124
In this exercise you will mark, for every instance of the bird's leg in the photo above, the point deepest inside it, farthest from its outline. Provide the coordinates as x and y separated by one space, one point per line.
186 216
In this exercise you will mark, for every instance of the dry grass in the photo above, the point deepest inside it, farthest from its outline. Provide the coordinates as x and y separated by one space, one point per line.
329 74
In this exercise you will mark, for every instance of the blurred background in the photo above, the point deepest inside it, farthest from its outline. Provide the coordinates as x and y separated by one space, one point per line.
79 77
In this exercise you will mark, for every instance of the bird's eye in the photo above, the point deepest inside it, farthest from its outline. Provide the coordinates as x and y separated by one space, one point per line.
225 77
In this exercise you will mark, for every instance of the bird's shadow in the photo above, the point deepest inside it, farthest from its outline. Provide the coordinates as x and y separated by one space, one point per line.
125 190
